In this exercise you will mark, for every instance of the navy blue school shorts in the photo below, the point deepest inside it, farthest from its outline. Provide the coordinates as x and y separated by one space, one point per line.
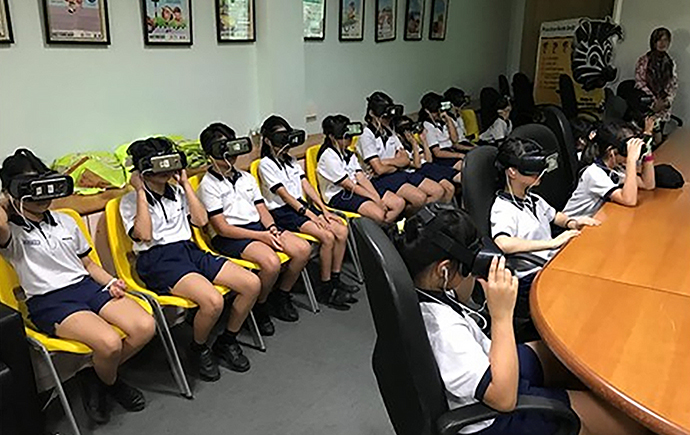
50 309
287 217
445 161
415 178
437 172
161 267
347 201
390 182
234 247
531 384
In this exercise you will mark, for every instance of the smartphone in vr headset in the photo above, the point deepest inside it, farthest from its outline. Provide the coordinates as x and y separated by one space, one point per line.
412 127
41 187
446 106
534 164
227 148
166 163
353 129
290 139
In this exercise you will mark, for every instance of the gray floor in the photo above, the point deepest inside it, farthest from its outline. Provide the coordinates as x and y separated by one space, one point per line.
315 378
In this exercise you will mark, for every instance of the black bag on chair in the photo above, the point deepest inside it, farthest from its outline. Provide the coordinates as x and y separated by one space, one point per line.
668 177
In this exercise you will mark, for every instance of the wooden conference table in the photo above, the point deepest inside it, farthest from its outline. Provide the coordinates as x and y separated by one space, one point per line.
614 305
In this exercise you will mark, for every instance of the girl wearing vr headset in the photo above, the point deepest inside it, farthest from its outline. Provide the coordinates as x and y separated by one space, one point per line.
473 367
244 228
157 216
342 180
69 295
500 125
440 131
422 159
613 158
385 158
284 185
459 100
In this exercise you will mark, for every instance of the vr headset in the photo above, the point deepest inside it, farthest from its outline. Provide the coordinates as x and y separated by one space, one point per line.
475 259
446 106
163 162
290 139
385 109
412 127
353 129
622 145
227 148
534 164
41 187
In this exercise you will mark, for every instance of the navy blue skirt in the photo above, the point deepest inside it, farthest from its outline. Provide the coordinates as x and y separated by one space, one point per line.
390 182
234 247
347 201
437 172
287 217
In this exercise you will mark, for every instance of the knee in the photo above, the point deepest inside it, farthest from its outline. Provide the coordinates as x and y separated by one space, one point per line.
213 304
378 215
303 251
340 232
417 198
398 204
108 346
327 239
142 329
253 287
270 265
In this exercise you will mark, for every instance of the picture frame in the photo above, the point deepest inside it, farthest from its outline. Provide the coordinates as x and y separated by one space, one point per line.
167 22
414 20
76 22
235 21
386 20
314 12
438 20
351 20
6 35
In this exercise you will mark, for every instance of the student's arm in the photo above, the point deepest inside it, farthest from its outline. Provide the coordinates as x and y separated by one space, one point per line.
142 228
381 168
513 245
647 180
416 158
446 154
197 212
628 194
4 223
428 156
400 160
564 221
312 195
452 131
359 188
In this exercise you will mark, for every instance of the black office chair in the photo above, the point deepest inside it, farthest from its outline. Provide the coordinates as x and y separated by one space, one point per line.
566 90
479 185
504 86
556 186
488 98
524 109
403 362
555 120
614 106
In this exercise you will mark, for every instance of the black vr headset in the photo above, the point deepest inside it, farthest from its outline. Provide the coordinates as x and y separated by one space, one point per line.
349 130
227 148
406 125
384 108
41 187
622 145
289 139
535 162
475 259
164 159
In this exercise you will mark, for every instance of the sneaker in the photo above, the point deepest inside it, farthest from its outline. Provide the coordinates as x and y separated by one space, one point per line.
332 298
129 397
93 397
231 355
207 365
263 320
282 307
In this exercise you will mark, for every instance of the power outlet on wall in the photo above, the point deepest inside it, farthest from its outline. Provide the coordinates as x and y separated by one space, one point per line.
312 117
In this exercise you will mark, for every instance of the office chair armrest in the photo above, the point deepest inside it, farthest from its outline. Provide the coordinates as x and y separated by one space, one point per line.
453 421
678 121
524 261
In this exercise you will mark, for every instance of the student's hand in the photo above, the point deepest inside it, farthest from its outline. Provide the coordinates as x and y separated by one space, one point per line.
181 178
331 217
564 238
274 230
501 289
446 118
410 138
649 123
118 289
634 149
136 181
4 206
271 240
586 221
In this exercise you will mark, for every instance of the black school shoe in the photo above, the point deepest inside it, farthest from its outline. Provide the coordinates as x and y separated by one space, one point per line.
281 306
333 297
93 397
263 319
202 359
127 396
352 289
231 356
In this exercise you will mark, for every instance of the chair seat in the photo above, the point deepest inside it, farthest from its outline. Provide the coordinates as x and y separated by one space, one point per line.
200 241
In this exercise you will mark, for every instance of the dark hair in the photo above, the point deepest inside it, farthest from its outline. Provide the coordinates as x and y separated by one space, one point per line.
514 147
397 123
431 102
608 135
149 147
213 133
415 242
23 161
376 99
331 125
656 35
271 125
501 103
456 96
659 65
582 129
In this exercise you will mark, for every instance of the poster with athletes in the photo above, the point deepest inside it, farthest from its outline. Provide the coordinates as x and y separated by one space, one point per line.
554 56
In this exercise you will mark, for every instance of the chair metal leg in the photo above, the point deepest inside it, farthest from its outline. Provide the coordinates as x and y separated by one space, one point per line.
169 346
58 384
310 292
254 329
352 247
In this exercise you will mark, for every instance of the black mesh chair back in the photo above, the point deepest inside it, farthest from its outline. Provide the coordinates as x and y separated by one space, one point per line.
488 98
479 185
555 119
566 89
504 86
524 107
614 106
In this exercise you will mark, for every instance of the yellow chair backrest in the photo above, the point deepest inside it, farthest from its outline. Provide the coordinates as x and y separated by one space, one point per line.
120 243
311 164
254 170
200 236
469 117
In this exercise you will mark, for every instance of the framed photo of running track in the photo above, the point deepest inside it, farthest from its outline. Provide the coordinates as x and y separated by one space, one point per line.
6 36
76 21
351 20
386 17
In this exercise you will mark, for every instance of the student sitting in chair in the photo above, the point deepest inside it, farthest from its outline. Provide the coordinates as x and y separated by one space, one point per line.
440 131
342 180
284 184
69 295
500 125
157 216
242 227
440 247
385 159
584 132
422 159
613 159
459 101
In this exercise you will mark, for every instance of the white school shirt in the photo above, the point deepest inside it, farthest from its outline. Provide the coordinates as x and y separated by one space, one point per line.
461 351
236 199
499 130
333 168
460 127
370 145
528 219
594 188
274 174
169 217
437 137
46 255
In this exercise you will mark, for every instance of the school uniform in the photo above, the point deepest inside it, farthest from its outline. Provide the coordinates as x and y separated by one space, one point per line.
170 255
498 131
47 257
384 145
432 170
595 187
437 135
287 173
334 167
529 218
235 197
461 351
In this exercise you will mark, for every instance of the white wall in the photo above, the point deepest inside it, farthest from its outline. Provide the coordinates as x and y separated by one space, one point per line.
69 98
639 18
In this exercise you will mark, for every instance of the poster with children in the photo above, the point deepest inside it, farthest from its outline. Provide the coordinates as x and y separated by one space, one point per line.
385 19
351 20
167 22
235 20
80 21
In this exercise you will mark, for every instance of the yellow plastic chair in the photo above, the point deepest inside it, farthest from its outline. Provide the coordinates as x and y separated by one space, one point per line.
201 239
44 344
469 117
